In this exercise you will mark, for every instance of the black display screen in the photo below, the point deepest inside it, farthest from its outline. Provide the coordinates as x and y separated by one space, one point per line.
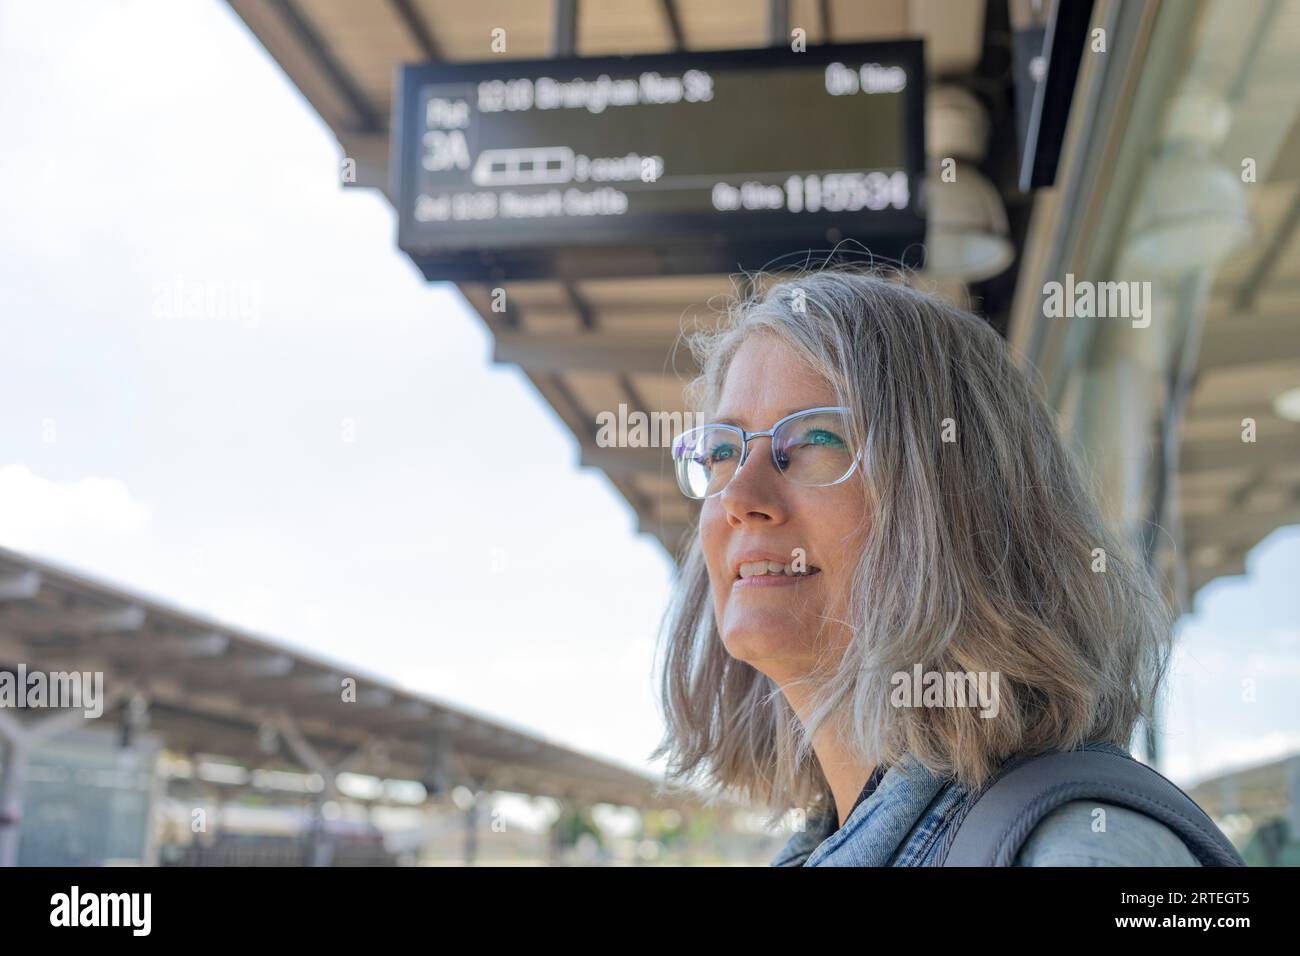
677 163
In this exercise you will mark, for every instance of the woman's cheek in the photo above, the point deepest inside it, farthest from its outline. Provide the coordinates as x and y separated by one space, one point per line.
711 544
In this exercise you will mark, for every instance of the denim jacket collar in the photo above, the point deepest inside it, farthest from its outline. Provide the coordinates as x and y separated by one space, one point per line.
905 822
878 830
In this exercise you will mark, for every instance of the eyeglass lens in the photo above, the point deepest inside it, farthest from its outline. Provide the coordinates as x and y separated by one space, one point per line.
811 449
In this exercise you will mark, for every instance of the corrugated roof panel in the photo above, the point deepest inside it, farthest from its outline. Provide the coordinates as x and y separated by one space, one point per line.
853 21
659 391
717 26
543 292
368 40
598 392
550 319
622 27
674 291
953 31
464 30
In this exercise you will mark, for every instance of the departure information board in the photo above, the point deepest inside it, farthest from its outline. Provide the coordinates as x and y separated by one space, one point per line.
689 162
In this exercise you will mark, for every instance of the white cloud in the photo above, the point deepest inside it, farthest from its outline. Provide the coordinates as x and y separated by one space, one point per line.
34 510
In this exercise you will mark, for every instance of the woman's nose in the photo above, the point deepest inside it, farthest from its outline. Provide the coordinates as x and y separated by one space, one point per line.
754 491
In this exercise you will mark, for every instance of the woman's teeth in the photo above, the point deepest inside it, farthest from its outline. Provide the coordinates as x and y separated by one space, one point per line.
752 569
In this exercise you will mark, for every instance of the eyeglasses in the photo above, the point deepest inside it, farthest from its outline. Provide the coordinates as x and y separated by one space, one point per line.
810 448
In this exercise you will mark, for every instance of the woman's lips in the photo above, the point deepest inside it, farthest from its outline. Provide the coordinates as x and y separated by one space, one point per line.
772 580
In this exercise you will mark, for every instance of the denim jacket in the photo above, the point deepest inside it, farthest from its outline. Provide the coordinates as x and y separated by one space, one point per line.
906 819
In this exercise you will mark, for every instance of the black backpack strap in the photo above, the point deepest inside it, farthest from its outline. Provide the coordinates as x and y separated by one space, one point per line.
1001 818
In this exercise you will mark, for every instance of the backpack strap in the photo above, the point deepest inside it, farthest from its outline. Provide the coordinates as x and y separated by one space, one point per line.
1003 815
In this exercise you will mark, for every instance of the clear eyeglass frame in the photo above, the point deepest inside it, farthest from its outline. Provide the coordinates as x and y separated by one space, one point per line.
745 437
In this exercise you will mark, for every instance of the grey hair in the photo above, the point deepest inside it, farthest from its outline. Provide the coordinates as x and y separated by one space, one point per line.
979 558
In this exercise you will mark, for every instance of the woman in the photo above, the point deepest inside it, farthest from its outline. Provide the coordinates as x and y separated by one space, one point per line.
914 529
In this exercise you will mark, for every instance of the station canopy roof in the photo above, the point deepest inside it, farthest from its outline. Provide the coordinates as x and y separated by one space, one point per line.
587 345
590 345
214 691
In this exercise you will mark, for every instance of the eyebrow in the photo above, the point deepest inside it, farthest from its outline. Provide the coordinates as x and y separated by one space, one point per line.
731 420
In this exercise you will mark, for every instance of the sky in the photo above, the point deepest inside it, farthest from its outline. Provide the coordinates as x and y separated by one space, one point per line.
222 386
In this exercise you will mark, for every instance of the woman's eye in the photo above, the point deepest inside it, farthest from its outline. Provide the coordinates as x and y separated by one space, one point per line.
822 437
722 453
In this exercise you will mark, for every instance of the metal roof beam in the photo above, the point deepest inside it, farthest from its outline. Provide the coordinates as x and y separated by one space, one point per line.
778 22
674 21
419 30
368 120
18 587
163 652
75 621
567 352
565 28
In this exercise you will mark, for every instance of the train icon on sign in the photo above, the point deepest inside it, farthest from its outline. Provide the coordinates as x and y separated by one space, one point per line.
524 166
